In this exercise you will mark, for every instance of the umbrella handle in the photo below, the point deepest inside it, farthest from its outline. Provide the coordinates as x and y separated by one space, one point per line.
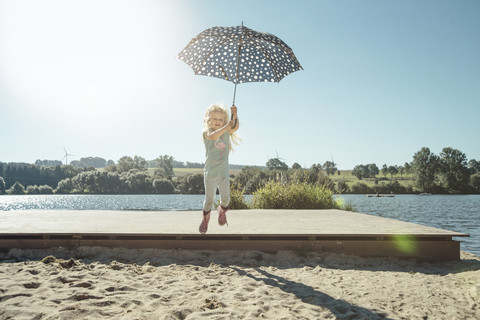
233 103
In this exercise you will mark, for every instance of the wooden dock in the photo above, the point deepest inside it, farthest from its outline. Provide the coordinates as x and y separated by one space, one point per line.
264 230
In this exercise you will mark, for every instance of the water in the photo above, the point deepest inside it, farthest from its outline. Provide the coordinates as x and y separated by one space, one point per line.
451 212
102 202
460 213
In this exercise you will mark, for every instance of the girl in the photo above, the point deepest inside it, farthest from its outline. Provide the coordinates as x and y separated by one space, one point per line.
218 134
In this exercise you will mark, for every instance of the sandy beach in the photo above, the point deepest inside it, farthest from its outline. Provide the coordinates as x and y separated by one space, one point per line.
104 283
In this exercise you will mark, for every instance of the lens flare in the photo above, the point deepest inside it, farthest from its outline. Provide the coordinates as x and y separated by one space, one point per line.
405 243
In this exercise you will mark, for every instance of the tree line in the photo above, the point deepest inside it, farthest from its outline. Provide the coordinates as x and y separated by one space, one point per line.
128 176
448 172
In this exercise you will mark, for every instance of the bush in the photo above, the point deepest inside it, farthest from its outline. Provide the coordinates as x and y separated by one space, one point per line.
342 186
163 186
65 186
361 188
33 190
393 186
237 199
276 195
2 185
17 188
475 182
341 204
45 189
191 184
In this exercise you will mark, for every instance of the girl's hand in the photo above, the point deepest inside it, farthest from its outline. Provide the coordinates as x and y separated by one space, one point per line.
233 109
230 124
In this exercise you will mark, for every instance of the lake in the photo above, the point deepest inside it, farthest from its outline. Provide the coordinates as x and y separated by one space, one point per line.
459 213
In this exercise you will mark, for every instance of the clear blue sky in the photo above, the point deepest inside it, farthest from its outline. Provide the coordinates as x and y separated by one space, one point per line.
381 80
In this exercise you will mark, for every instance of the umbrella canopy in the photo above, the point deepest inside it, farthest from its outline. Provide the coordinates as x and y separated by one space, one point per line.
239 54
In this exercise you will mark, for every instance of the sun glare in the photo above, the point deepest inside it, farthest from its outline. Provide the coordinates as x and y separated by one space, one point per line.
75 58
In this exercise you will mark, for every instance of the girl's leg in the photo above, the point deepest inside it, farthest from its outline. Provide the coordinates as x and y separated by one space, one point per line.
210 190
224 187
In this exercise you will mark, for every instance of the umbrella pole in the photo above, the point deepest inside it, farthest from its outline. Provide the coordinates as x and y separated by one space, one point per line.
236 76
234 93
233 103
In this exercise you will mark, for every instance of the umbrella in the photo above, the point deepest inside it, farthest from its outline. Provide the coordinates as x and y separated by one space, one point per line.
239 54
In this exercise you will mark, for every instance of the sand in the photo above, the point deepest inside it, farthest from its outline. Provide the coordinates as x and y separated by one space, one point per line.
105 283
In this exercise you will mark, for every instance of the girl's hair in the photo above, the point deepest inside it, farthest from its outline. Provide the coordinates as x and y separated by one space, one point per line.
219 108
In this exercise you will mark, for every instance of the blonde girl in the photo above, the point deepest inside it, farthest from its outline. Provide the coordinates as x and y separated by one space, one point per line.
218 135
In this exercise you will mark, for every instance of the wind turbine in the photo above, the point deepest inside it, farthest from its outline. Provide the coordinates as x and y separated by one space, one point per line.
66 156
278 158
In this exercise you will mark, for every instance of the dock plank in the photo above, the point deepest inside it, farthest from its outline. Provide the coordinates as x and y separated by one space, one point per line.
266 230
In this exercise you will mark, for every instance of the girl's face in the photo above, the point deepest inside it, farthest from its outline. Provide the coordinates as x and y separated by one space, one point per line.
217 120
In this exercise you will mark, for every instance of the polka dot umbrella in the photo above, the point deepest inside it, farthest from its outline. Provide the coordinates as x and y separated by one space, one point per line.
239 54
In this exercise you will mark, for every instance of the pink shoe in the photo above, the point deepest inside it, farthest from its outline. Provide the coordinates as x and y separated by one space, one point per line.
222 217
204 225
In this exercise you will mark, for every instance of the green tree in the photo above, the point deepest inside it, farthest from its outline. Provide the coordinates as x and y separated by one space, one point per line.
474 166
86 182
164 167
329 167
195 184
163 186
425 166
408 168
276 164
109 183
65 186
244 176
296 166
139 182
126 164
360 171
453 169
384 170
392 170
94 162
372 170
475 182
401 170
190 184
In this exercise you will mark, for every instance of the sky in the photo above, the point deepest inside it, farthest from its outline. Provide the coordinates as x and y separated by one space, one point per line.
100 78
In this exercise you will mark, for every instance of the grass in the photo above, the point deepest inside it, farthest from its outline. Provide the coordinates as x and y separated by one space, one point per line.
180 172
350 179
